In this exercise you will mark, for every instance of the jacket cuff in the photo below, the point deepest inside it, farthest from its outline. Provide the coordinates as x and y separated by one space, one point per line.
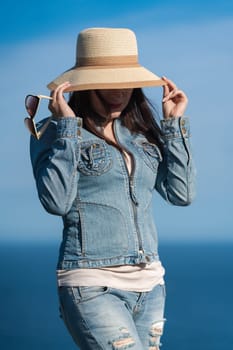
175 127
69 127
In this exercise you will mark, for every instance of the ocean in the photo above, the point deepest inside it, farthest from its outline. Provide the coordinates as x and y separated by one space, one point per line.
199 309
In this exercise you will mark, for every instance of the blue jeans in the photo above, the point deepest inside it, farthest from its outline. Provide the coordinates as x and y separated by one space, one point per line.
102 318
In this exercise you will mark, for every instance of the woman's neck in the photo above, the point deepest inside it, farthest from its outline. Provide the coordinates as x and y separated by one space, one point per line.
108 132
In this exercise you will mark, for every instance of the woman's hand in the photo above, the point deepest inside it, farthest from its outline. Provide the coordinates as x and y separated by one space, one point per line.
174 100
58 105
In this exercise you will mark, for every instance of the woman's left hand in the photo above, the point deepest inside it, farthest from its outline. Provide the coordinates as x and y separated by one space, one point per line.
174 100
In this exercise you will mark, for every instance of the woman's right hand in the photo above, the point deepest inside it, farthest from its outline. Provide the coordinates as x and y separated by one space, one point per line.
58 105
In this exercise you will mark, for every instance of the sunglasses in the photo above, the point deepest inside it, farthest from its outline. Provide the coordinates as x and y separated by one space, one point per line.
32 104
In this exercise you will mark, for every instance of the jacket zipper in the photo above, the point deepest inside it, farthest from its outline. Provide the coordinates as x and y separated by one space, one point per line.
134 202
134 206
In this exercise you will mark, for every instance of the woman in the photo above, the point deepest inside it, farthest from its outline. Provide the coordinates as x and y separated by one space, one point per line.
96 165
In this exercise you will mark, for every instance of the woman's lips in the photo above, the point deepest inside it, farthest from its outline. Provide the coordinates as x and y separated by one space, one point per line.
115 105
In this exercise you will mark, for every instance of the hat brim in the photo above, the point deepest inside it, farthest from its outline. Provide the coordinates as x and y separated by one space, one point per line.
82 78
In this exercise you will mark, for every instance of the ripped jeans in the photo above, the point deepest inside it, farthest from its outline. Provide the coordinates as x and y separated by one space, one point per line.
102 318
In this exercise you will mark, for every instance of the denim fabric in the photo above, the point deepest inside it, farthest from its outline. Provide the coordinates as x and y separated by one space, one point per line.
105 318
107 214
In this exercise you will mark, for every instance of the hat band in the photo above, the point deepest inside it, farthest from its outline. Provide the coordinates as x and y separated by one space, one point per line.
107 61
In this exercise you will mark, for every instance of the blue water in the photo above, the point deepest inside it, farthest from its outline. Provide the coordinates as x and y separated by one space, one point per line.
199 308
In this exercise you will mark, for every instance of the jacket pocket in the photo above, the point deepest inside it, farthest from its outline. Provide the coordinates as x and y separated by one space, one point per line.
95 158
104 231
150 153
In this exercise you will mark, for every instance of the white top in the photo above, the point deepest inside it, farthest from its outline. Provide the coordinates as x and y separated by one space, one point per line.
137 278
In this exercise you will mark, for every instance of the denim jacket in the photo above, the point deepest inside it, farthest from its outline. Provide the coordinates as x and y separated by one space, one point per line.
106 212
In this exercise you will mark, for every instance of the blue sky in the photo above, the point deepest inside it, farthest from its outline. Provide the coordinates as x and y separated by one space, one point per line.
189 42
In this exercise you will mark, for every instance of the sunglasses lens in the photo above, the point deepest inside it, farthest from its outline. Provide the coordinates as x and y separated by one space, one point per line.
29 123
31 104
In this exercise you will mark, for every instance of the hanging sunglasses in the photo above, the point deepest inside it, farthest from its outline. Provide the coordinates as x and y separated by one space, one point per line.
32 103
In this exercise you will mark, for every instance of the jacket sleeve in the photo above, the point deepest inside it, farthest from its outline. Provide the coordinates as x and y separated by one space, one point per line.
176 174
54 160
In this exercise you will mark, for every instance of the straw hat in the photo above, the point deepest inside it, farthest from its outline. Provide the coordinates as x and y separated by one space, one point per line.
107 58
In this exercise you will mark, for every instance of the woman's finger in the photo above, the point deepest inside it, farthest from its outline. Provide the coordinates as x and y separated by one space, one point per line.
62 89
170 84
172 94
165 90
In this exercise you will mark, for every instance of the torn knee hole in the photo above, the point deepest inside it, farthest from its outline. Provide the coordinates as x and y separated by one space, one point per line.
124 341
157 329
155 333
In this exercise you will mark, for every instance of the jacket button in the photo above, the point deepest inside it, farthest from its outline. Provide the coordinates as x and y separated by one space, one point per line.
183 131
79 122
182 122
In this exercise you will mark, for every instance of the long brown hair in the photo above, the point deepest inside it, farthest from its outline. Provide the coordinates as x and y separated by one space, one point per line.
139 116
